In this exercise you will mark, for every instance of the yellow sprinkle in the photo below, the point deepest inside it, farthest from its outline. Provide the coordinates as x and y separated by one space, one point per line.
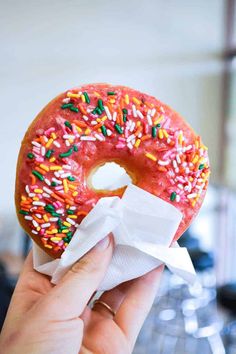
56 238
127 99
112 100
65 185
150 156
23 198
83 98
48 246
79 129
138 123
104 118
159 120
53 135
73 216
190 179
75 194
35 198
204 147
49 143
137 143
55 168
97 94
38 228
71 141
180 138
71 186
45 218
75 95
37 190
203 174
160 134
201 160
165 133
66 224
53 231
44 167
65 231
67 206
135 100
195 159
52 159
193 203
87 131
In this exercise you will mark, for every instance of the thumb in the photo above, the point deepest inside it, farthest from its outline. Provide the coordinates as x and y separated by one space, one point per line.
69 298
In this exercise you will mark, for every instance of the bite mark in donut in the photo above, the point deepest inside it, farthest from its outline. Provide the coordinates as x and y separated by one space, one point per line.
86 127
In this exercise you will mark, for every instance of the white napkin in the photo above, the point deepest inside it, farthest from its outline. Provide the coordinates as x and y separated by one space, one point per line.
143 226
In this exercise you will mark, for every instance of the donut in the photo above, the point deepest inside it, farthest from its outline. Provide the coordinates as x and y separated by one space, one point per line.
87 126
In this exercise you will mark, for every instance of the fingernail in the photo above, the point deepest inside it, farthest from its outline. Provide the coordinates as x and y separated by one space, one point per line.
103 244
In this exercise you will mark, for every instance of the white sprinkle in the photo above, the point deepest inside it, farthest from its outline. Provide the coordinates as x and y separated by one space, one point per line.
38 203
72 207
38 216
31 195
176 170
140 114
28 217
35 143
132 126
57 174
67 143
34 222
177 198
168 140
65 175
130 146
180 186
34 232
88 138
94 122
47 190
46 224
131 137
149 119
53 219
163 163
99 137
108 114
109 132
45 139
193 195
61 172
67 167
134 111
114 116
27 189
153 112
57 144
178 159
85 117
189 147
47 181
174 164
56 180
68 136
66 100
43 150
60 211
72 222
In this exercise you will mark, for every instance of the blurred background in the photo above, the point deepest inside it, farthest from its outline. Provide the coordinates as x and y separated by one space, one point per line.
184 53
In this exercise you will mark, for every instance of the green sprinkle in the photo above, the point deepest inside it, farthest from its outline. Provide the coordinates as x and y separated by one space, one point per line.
172 196
67 105
100 105
62 227
74 109
23 212
49 153
53 213
49 208
201 166
118 128
67 153
95 111
71 178
38 175
154 132
104 130
30 155
53 184
69 234
158 125
111 93
99 111
125 111
75 148
65 239
70 212
87 99
67 124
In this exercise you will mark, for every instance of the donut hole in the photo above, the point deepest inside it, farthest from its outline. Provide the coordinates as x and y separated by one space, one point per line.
109 176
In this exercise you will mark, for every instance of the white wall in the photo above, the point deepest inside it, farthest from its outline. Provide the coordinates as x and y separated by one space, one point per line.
167 48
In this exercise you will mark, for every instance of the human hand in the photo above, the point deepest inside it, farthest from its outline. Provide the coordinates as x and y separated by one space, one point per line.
47 319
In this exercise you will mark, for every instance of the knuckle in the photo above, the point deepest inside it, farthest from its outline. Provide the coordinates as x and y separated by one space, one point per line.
86 265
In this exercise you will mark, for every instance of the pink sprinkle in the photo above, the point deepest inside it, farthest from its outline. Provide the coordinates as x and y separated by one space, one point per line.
49 131
34 186
39 159
42 232
120 146
59 188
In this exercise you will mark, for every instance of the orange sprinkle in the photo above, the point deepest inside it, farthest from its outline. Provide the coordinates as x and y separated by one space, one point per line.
82 212
33 179
40 170
80 123
135 100
87 131
162 168
54 195
81 108
146 137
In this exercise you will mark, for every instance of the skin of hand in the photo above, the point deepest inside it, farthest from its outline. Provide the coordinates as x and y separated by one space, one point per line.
47 319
